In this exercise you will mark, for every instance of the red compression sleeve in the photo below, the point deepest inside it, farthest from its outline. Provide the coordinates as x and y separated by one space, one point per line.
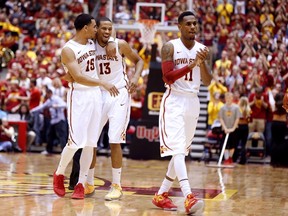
170 75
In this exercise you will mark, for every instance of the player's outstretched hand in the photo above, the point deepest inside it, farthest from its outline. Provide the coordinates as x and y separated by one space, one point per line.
111 88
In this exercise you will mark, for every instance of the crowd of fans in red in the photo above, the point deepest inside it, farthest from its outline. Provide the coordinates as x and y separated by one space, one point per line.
248 42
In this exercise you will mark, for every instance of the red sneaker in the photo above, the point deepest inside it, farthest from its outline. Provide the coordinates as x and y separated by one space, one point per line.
58 184
228 161
164 202
78 192
192 205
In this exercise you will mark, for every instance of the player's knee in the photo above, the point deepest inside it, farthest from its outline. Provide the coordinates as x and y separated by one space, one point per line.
178 157
71 147
115 146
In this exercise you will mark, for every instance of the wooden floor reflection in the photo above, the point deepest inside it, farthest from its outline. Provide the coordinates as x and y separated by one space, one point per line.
253 189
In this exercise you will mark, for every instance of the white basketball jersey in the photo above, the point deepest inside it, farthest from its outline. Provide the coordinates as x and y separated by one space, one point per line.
85 56
182 56
111 69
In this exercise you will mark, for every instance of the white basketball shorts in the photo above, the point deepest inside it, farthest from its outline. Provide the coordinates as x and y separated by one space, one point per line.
116 110
84 108
178 118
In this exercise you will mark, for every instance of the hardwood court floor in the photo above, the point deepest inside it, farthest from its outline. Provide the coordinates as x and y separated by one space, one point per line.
253 189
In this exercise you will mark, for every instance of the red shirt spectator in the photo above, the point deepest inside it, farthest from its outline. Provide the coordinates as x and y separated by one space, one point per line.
13 96
35 95
259 104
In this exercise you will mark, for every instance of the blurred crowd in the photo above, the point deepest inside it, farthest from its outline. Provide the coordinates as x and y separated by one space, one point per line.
247 41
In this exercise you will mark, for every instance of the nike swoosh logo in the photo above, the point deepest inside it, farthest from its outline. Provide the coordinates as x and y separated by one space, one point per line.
178 51
79 52
122 104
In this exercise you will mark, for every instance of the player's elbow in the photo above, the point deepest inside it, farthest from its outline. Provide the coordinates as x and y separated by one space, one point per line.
167 80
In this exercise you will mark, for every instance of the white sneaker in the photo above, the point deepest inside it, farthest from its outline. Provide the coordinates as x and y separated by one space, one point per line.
115 193
44 152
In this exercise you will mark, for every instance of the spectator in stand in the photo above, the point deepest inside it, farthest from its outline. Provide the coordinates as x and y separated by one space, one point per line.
58 88
209 34
24 81
222 63
34 101
14 96
76 7
58 130
123 15
243 128
240 7
258 102
25 115
224 10
222 32
213 109
235 80
252 80
35 95
13 72
279 132
248 49
43 80
7 136
217 85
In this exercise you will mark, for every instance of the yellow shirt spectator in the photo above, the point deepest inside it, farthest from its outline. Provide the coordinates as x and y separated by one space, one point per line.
224 10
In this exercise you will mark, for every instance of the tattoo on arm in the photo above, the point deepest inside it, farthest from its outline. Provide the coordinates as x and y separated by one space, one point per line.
167 52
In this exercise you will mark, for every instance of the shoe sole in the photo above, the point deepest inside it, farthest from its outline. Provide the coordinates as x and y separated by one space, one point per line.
77 197
196 209
90 194
60 195
111 199
165 209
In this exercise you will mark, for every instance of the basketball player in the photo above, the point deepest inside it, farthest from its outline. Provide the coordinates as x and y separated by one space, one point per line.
116 110
84 102
183 69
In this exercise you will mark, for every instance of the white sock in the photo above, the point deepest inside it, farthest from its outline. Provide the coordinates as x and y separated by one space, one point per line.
116 176
66 156
226 154
185 187
85 162
181 173
165 186
90 177
167 183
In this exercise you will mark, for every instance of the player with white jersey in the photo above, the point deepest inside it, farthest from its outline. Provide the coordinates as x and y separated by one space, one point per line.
183 69
83 101
116 110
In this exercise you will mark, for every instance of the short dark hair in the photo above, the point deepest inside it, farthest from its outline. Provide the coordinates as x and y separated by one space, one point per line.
185 13
82 20
101 19
33 81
